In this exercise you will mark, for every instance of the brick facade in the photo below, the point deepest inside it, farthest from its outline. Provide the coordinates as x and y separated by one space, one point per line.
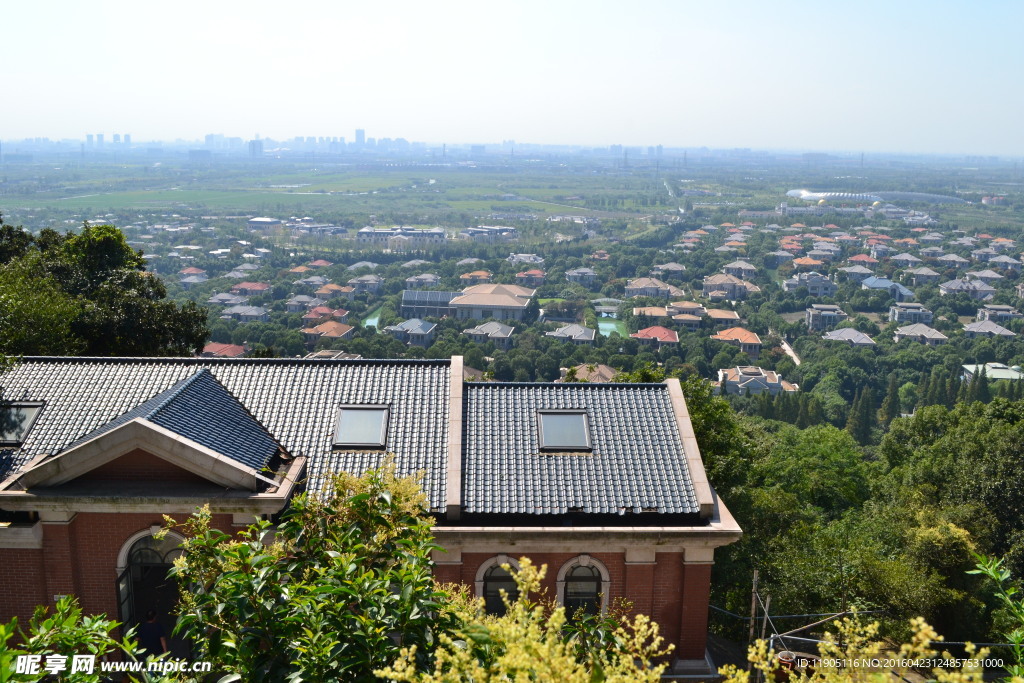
34 576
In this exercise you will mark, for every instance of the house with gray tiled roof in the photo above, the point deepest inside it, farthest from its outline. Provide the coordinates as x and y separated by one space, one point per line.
671 269
422 281
246 314
509 470
986 328
581 276
414 332
740 269
366 284
225 299
849 336
492 331
921 276
303 302
905 260
751 379
577 334
857 273
953 261
1005 262
976 289
988 276
816 284
921 333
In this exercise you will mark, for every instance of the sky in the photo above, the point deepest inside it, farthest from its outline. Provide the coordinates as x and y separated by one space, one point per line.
901 76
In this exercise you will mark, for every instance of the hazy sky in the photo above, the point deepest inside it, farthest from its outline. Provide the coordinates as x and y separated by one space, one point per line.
900 76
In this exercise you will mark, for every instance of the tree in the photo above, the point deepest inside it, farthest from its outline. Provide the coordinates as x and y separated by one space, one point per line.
88 293
343 591
890 409
343 588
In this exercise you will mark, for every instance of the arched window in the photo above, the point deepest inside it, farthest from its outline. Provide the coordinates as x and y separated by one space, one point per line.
583 583
492 579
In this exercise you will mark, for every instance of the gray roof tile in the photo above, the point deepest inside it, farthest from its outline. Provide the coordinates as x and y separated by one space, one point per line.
637 460
295 400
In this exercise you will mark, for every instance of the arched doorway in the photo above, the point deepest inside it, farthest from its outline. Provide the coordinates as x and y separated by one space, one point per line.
143 584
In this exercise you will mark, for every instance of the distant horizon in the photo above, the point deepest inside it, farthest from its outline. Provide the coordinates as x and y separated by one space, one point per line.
494 146
911 78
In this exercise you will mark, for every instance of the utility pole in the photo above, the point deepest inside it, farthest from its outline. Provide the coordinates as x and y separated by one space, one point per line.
753 616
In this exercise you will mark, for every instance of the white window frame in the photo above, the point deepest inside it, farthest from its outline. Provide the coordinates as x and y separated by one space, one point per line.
487 564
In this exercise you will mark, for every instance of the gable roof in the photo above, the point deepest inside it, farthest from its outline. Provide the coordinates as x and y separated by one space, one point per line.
201 409
295 401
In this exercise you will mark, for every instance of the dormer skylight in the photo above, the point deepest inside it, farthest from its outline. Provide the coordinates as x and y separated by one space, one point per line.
361 426
16 419
563 430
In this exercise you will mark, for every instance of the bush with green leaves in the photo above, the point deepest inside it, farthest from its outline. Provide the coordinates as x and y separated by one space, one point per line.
337 591
66 632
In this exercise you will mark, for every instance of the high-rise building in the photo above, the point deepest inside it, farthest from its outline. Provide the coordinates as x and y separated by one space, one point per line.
89 140
256 148
127 139
117 138
360 137
99 140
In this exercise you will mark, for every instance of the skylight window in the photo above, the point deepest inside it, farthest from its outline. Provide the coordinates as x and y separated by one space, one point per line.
362 426
16 419
564 430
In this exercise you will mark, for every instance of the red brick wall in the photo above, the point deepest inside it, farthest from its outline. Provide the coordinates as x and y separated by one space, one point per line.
99 536
79 558
23 584
139 465
674 594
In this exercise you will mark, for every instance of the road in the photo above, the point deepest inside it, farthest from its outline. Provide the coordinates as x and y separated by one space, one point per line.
788 349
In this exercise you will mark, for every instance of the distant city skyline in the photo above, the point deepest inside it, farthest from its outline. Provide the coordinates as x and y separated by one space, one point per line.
910 77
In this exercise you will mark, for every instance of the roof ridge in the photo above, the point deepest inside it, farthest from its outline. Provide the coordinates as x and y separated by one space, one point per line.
189 360
176 390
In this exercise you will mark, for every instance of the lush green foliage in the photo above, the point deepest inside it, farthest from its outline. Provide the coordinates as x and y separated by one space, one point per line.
536 641
341 587
66 632
87 293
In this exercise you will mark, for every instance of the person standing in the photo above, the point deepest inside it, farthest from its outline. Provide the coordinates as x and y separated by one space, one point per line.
152 638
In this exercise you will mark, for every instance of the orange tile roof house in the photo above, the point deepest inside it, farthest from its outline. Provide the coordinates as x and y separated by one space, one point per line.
508 470
320 263
331 329
477 277
530 278
501 302
657 335
215 350
250 288
748 342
